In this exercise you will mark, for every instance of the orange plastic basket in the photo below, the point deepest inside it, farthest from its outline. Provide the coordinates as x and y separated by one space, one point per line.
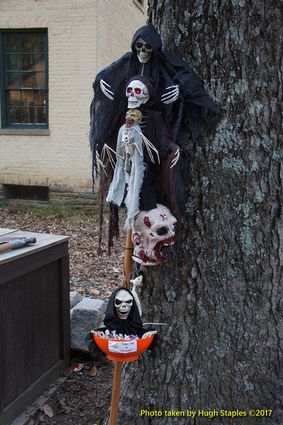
123 350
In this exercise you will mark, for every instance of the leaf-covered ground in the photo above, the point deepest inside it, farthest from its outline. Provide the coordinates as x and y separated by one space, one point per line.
84 397
90 274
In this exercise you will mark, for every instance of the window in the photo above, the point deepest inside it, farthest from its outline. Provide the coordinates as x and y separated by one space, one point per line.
23 83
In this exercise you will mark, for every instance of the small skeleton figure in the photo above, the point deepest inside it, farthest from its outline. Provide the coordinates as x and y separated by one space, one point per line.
129 169
133 117
153 236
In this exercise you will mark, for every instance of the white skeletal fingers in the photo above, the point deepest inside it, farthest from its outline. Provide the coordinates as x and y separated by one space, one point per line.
100 164
98 333
150 147
175 159
148 334
107 151
171 94
105 90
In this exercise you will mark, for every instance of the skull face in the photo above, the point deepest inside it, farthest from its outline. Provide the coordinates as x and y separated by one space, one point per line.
143 49
123 303
153 236
137 94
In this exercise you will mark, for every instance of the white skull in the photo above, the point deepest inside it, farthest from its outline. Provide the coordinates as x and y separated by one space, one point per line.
137 94
143 49
123 303
153 234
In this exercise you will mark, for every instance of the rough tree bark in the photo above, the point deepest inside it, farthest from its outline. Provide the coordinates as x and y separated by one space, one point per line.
223 297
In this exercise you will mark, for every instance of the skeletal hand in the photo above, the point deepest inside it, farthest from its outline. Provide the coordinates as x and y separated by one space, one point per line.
175 159
100 164
148 334
105 90
137 282
98 333
171 95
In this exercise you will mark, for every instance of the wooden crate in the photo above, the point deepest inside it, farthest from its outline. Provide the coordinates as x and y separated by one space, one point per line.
34 320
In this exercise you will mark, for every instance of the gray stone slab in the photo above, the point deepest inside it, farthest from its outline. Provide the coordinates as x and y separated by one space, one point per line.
75 298
86 315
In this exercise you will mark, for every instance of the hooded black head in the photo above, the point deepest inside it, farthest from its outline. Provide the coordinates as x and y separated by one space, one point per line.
149 34
130 326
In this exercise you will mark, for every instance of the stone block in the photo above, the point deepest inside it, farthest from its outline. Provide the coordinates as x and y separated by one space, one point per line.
86 315
75 298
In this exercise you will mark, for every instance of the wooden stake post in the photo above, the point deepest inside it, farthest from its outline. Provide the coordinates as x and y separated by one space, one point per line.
116 385
128 259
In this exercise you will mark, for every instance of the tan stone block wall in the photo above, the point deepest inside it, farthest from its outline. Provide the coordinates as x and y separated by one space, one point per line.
83 37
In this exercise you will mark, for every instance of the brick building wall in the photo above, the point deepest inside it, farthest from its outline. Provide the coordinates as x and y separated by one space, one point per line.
83 37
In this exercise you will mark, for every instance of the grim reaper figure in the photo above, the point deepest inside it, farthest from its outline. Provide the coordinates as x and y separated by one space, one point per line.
180 98
184 102
122 318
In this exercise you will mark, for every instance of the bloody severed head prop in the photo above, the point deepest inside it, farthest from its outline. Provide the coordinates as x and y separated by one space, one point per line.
153 236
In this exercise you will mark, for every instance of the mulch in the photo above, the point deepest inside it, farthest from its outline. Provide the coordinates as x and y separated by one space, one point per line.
84 396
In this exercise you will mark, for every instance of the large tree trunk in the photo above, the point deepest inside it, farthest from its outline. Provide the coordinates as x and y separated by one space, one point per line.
222 298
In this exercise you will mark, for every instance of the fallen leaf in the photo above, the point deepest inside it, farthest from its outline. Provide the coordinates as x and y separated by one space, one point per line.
47 410
94 292
93 371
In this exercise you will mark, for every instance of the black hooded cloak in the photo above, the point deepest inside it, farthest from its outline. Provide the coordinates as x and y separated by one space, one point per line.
185 117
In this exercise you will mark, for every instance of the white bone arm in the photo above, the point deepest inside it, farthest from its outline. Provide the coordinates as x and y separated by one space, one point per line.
107 151
150 147
171 94
149 333
100 164
137 284
98 333
105 90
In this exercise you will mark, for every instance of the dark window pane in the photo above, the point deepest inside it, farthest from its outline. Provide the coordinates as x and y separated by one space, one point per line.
14 62
33 43
38 63
27 62
33 80
13 42
39 79
41 117
27 98
26 116
27 43
14 79
14 98
28 79
38 43
40 98
14 115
